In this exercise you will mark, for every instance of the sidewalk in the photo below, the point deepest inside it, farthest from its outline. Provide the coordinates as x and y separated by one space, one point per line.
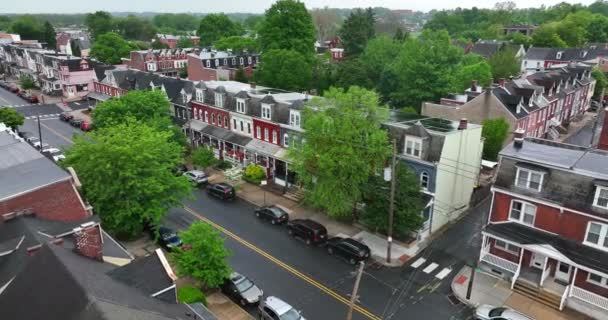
577 126
488 289
400 253
225 309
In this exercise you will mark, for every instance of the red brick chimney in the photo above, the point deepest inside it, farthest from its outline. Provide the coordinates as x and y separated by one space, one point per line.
518 140
463 124
603 143
89 241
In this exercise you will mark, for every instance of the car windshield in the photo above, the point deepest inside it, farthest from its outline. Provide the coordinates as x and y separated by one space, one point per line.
276 212
292 314
244 285
496 312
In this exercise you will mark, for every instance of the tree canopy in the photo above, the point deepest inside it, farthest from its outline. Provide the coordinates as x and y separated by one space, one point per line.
11 118
185 42
505 64
601 83
135 28
285 69
175 22
48 35
494 132
238 44
215 26
287 25
125 171
357 29
344 146
110 48
99 23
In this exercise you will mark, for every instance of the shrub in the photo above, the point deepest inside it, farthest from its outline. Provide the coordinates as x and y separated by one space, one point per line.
203 157
223 165
190 294
254 174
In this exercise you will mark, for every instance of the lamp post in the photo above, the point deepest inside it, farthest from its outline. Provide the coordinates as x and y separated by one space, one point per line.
391 208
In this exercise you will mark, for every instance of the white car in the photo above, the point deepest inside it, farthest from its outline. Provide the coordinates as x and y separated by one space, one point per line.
489 312
273 308
37 145
50 150
55 153
196 176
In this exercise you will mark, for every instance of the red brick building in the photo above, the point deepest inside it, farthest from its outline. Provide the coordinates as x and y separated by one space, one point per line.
547 230
162 61
220 65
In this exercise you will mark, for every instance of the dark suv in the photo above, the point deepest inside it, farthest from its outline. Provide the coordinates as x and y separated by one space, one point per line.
308 230
222 191
349 249
275 214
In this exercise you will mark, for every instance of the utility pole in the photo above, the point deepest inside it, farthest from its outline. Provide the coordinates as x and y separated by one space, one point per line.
391 207
39 129
597 117
353 297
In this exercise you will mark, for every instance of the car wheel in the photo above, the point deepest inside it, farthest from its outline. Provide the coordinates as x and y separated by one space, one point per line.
290 232
273 221
257 214
330 250
352 261
308 242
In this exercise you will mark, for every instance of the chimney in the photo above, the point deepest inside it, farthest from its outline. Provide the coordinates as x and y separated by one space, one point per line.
518 141
474 85
88 240
252 85
603 143
463 124
501 82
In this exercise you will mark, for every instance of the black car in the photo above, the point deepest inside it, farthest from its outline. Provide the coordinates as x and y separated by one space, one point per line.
243 290
349 249
168 238
222 191
308 230
275 214
66 117
75 122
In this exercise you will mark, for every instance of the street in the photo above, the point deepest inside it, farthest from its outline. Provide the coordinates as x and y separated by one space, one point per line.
583 136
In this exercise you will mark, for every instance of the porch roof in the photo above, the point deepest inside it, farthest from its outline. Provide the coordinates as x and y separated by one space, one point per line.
225 135
263 147
98 96
580 254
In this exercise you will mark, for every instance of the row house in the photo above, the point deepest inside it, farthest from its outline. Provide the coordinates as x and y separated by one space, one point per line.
542 104
161 61
210 65
171 40
547 230
537 59
446 157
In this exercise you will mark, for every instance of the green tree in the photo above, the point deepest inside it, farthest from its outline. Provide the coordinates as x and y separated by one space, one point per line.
378 53
99 23
408 203
238 44
344 146
125 171
352 71
5 22
547 36
252 23
216 26
135 28
48 35
287 25
28 27
357 29
203 256
494 132
11 118
75 48
505 64
190 294
110 48
156 44
597 30
183 72
480 71
240 75
185 42
285 69
520 39
326 21
27 82
176 21
203 157
400 35
601 83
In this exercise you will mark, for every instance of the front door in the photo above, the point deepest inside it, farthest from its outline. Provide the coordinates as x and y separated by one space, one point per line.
537 261
562 272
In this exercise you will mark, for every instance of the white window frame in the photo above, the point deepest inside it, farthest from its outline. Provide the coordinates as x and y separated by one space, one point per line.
507 247
275 137
241 61
208 63
249 127
249 60
234 124
199 95
603 282
286 140
258 132
266 111
219 100
266 134
424 180
240 105
598 190
207 116
528 180
415 141
602 241
295 119
233 61
522 212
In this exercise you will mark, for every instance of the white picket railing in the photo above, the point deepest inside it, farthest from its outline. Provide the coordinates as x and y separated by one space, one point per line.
589 297
565 295
499 262
515 276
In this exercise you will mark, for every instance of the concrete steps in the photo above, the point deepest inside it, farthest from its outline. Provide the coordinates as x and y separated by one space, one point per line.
537 294
295 194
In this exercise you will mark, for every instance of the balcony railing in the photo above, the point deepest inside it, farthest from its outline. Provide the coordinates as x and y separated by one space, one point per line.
499 262
589 297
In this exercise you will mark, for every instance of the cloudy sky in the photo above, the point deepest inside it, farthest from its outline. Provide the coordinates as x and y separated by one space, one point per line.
258 6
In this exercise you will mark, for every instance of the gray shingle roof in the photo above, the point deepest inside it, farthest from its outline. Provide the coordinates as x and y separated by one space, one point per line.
146 274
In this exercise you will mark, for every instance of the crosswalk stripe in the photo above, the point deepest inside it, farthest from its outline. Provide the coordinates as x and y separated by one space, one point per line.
418 262
443 273
430 268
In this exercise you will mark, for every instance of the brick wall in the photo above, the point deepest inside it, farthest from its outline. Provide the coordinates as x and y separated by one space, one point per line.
581 282
58 201
196 70
89 242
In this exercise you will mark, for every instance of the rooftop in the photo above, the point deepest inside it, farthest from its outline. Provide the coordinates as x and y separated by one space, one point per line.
406 120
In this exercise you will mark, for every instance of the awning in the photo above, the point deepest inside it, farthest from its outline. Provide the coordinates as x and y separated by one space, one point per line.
263 147
98 96
196 125
282 154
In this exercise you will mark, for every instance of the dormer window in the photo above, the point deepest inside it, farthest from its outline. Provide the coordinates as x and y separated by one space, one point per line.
233 61
225 61
199 95
413 146
249 60
217 63
219 100
240 105
266 113
558 55
294 118
241 61
208 63
601 197
184 97
529 179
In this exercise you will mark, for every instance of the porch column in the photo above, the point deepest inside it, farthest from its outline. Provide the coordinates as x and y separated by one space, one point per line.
483 246
573 281
542 275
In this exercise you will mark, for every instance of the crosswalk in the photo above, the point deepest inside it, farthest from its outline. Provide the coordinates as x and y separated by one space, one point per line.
431 267
44 116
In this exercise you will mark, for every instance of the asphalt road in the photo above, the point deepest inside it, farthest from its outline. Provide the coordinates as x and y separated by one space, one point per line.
584 135
8 98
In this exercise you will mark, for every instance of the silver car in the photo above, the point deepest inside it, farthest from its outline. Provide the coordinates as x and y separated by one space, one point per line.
242 289
489 312
273 308
196 176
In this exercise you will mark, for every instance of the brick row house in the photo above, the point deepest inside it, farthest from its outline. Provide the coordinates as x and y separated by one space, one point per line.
161 61
547 231
542 104
171 40
538 59
209 65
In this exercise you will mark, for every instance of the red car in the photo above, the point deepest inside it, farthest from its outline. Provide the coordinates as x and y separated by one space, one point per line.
13 89
86 126
34 99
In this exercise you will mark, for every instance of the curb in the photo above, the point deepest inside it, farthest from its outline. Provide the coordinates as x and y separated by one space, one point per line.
462 300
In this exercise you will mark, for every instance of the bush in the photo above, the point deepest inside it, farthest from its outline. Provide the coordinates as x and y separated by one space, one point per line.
224 165
254 174
190 294
203 157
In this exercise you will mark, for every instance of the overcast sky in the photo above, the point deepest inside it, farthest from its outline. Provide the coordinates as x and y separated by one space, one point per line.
256 6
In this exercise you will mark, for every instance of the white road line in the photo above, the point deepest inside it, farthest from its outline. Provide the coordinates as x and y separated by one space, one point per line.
430 267
443 273
418 263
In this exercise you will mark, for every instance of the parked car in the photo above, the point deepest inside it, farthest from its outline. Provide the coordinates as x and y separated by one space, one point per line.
33 99
54 153
37 144
30 138
196 176
242 289
3 84
349 249
13 88
275 214
21 93
308 230
273 308
489 312
75 122
86 126
66 116
167 238
222 191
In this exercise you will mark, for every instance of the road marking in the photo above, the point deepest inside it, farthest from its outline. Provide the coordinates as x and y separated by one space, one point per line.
443 273
44 116
57 133
430 268
285 266
418 263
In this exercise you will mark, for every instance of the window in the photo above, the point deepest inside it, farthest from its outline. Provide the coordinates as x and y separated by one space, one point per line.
213 118
522 212
248 127
248 60
597 235
413 146
597 280
207 116
266 111
601 197
529 179
240 105
506 246
294 118
219 100
258 132
241 61
233 61
184 97
217 62
286 140
199 95
208 63
242 130
266 135
275 137
226 122
234 124
225 61
424 180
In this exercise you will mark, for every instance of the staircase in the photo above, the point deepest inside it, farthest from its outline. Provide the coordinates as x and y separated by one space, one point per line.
294 193
537 294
